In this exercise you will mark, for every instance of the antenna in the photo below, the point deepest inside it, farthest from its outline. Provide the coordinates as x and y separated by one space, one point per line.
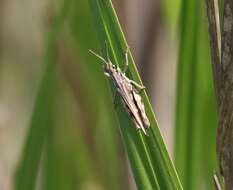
106 46
97 55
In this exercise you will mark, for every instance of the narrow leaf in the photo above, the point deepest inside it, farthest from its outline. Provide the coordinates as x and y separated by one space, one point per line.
150 162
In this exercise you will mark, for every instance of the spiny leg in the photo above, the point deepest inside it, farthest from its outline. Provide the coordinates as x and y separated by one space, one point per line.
126 61
137 86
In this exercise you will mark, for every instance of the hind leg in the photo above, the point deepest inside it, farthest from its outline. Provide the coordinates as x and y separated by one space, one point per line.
139 87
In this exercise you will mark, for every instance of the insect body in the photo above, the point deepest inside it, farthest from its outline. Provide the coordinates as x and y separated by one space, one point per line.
129 91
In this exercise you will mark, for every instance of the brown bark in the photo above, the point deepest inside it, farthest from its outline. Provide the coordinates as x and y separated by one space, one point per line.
222 58
215 41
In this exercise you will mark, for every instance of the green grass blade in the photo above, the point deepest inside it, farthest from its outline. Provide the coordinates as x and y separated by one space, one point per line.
188 35
208 159
108 168
194 84
150 162
67 164
41 120
171 13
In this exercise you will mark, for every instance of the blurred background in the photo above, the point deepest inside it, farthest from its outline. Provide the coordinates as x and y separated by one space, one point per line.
82 147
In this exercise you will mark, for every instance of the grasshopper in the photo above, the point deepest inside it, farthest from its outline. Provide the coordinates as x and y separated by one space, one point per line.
129 91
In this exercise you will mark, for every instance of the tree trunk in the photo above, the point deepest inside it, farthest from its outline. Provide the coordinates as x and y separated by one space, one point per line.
222 58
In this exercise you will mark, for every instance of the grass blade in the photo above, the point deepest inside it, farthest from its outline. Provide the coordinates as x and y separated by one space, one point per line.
150 162
41 120
194 90
101 129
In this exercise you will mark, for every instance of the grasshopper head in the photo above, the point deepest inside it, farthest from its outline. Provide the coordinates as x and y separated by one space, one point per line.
109 68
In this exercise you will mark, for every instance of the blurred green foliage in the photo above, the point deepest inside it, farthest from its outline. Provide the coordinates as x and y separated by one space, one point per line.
196 115
73 140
